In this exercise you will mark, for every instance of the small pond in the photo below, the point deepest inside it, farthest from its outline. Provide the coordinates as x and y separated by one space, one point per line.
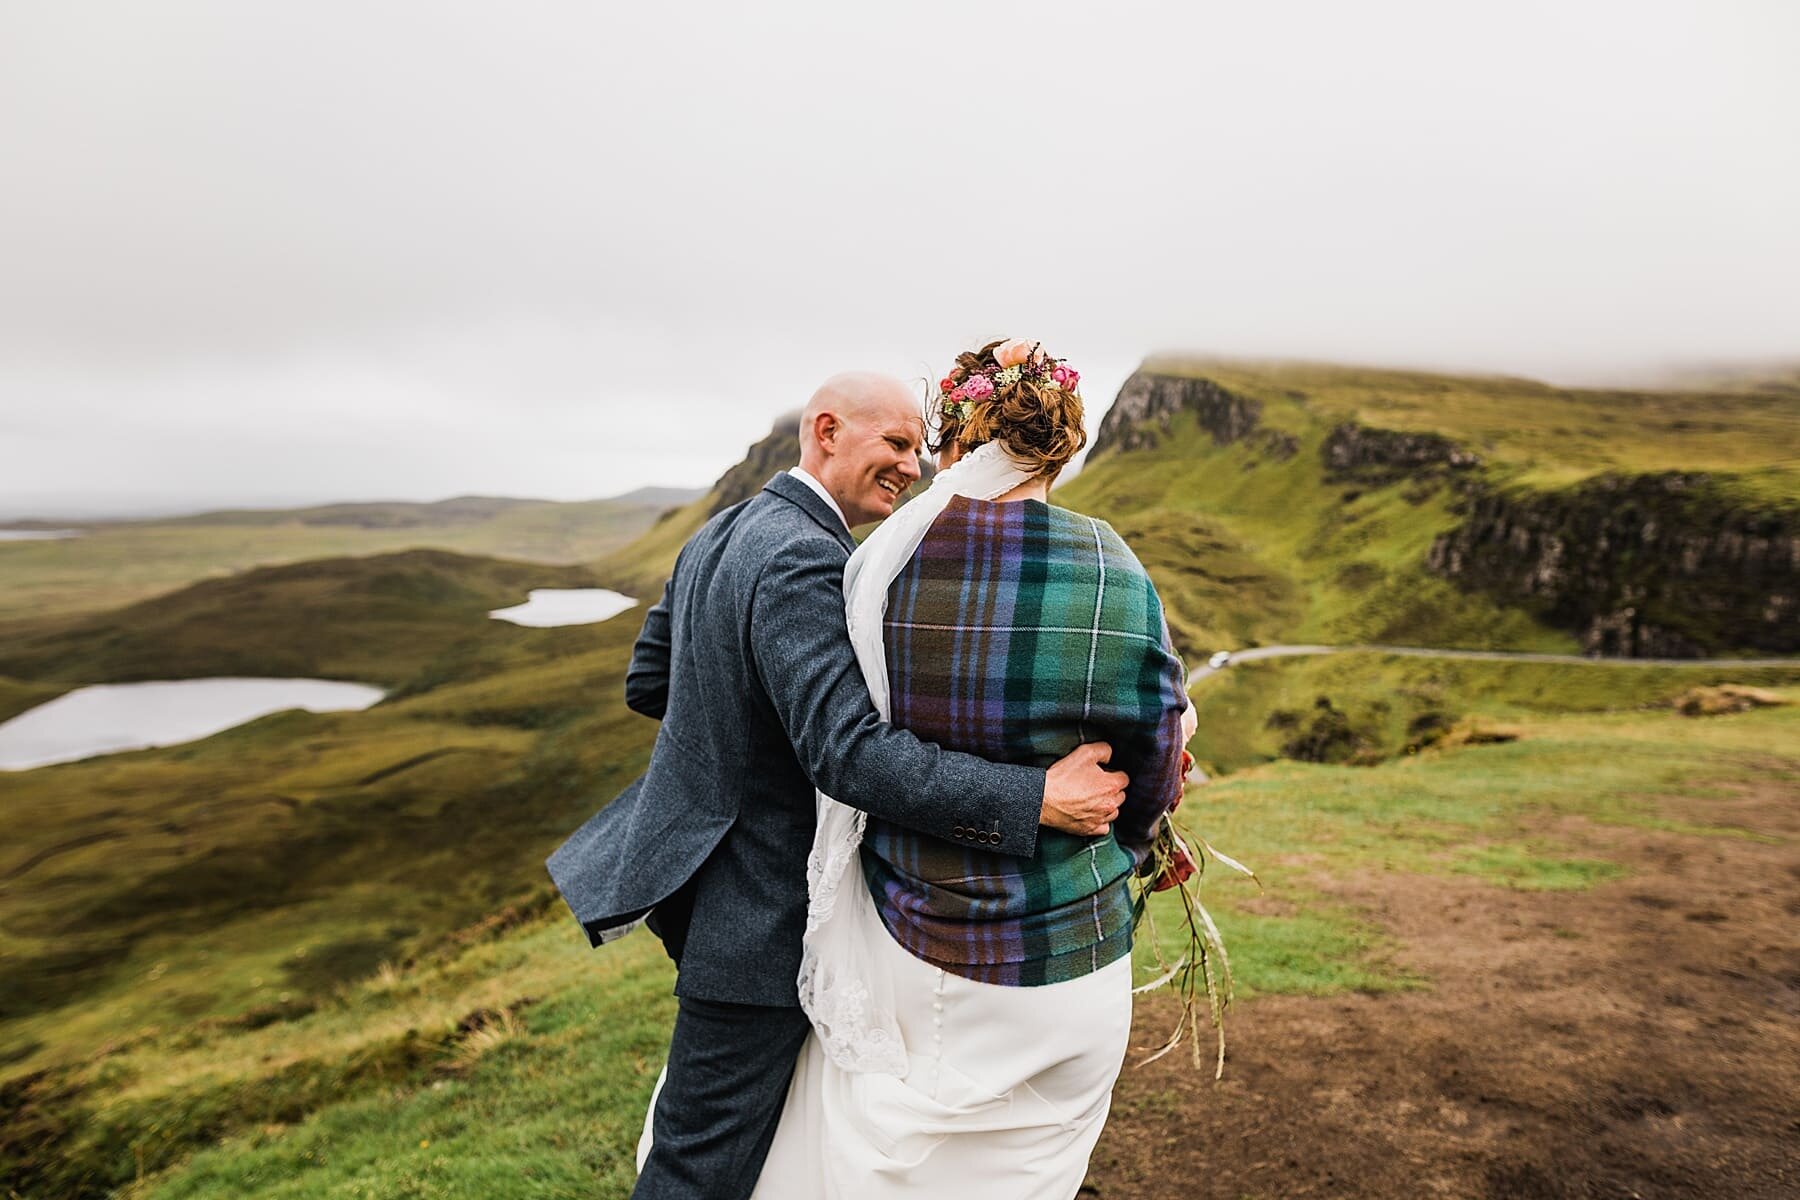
565 606
105 718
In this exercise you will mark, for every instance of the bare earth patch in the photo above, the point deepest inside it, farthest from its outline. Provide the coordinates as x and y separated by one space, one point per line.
1639 1039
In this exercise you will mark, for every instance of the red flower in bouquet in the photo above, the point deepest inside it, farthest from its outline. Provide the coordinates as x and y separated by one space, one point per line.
1179 869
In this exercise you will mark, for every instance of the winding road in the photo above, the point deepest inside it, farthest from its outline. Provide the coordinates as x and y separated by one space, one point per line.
1259 652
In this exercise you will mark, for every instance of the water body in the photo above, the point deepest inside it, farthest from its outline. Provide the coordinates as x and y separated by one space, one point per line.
565 606
36 535
106 718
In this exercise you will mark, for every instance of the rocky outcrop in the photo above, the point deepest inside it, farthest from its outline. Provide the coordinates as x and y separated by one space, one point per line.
1725 699
776 452
1652 566
1149 405
1382 456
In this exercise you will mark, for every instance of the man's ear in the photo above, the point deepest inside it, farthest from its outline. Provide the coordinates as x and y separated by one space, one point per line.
825 429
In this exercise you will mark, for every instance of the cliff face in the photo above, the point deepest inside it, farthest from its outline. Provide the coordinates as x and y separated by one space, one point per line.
1148 406
1640 565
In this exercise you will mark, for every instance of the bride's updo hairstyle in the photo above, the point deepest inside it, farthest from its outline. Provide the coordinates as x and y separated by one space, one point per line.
1011 392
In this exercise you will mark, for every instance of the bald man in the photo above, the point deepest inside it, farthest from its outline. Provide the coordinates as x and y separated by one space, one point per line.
747 662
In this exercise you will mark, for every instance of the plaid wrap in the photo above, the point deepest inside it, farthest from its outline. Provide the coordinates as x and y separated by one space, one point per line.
1017 632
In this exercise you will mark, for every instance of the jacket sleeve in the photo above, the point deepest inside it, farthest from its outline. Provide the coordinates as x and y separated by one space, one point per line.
647 679
800 644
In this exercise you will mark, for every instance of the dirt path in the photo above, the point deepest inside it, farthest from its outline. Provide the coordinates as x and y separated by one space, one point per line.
1641 1039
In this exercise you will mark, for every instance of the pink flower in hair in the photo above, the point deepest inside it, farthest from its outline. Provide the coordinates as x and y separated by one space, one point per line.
1065 378
978 387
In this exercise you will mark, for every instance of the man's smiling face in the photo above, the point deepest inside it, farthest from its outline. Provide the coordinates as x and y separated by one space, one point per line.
868 442
880 453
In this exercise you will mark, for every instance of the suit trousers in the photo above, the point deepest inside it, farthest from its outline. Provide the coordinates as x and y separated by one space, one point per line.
717 1105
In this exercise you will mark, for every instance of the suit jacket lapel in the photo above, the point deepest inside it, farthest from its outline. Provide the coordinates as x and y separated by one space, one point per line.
795 492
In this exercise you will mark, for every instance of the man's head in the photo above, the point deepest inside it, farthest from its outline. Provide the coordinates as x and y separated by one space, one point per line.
860 436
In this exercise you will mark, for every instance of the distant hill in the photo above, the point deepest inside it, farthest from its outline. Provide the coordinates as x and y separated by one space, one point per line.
660 497
114 563
366 514
411 514
379 619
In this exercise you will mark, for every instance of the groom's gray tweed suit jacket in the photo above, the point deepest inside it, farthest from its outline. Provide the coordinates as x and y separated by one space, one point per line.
747 662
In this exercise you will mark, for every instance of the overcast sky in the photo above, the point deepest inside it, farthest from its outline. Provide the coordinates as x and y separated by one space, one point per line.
266 253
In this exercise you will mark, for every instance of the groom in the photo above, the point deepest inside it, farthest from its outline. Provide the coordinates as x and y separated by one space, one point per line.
747 662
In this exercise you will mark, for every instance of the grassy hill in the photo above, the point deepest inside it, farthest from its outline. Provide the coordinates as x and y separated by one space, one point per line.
316 955
117 562
1301 503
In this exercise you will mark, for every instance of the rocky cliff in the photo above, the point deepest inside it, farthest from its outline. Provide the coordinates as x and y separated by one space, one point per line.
1659 565
1148 406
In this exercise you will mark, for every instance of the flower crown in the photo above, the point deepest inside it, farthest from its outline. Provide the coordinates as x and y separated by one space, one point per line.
1013 361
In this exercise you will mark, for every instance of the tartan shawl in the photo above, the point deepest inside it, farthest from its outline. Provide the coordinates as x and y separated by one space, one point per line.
1016 632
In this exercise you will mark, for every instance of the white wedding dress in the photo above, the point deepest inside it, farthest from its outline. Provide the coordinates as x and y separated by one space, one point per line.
916 1082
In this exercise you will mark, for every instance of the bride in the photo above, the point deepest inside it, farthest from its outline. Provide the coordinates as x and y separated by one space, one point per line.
971 1009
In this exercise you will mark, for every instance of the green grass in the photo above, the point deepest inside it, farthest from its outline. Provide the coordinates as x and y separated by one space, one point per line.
373 1090
1520 867
1310 946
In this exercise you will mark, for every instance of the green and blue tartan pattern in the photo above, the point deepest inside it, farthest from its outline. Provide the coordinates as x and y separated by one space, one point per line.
1017 632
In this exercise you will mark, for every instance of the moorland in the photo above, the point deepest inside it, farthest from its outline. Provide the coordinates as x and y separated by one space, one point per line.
1521 929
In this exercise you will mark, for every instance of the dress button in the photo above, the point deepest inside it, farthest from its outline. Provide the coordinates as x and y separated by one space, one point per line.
959 831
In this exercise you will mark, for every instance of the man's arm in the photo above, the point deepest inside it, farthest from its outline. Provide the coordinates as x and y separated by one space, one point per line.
801 648
1153 715
647 679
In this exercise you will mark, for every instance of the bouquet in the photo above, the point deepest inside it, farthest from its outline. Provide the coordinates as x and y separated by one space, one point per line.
1204 972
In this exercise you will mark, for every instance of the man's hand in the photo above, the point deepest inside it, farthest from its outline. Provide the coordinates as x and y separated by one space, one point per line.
1080 796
